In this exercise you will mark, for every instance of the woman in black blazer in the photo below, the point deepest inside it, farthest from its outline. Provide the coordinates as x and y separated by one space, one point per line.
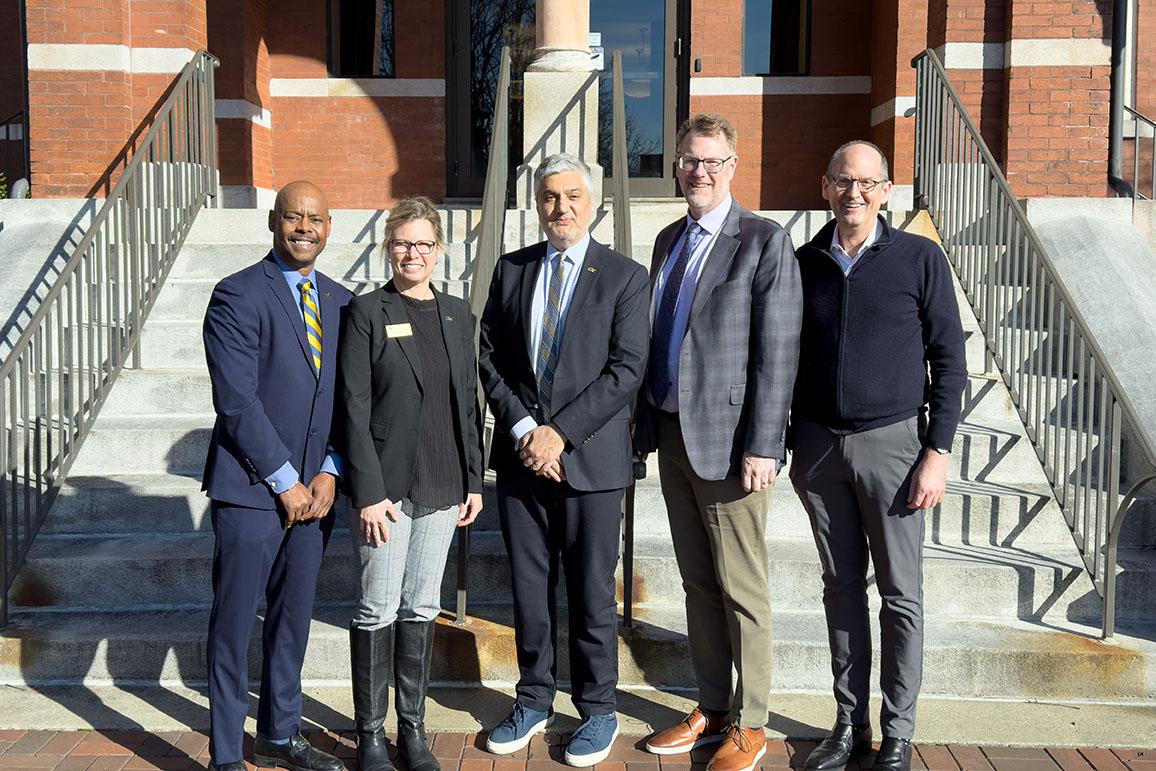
413 468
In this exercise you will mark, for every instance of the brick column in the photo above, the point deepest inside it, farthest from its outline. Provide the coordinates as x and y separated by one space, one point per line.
899 26
244 118
95 74
1058 60
969 37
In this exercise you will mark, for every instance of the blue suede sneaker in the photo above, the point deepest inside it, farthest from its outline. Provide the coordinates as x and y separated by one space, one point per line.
515 732
591 743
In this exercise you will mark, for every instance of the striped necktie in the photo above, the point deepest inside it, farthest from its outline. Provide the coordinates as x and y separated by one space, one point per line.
312 322
547 359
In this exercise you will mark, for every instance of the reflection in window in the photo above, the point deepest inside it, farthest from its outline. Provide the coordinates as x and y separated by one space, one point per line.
776 37
494 24
361 39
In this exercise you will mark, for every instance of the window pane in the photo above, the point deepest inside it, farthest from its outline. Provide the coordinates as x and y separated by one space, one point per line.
776 36
361 38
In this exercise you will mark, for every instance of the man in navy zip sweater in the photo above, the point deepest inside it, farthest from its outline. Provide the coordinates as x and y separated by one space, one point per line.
877 402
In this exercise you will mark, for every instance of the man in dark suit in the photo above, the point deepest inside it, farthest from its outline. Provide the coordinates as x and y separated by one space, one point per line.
724 349
270 337
563 347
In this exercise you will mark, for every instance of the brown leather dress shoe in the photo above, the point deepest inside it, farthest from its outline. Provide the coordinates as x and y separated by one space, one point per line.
741 750
695 730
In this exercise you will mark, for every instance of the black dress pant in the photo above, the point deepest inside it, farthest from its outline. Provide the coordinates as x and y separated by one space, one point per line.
547 525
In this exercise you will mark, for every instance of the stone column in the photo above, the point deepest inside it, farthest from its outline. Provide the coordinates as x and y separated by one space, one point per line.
560 94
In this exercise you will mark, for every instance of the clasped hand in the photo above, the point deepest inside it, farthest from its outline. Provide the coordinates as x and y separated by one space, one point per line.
303 503
541 452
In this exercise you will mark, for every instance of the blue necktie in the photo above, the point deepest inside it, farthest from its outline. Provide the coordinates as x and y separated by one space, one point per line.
547 359
660 377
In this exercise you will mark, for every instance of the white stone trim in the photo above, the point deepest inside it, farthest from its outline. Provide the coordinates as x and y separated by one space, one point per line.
242 109
892 108
971 56
758 85
357 87
106 57
1061 52
67 56
167 61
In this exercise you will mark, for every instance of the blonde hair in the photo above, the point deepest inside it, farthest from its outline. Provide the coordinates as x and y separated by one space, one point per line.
409 209
708 124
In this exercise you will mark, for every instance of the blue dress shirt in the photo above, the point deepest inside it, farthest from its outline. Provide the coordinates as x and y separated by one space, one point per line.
572 262
711 223
287 476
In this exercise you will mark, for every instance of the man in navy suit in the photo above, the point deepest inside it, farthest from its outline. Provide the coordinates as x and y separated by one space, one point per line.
562 349
270 337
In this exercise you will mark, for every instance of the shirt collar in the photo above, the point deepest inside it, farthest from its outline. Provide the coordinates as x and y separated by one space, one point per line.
838 247
575 254
293 277
712 222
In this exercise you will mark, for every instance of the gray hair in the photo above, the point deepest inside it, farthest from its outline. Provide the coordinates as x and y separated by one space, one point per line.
835 156
559 163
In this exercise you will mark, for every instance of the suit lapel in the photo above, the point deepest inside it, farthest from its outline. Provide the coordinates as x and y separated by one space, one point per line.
529 280
449 325
718 263
280 289
590 270
666 242
394 308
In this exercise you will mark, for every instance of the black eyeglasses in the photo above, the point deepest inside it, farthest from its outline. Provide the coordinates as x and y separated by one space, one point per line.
843 184
424 248
712 165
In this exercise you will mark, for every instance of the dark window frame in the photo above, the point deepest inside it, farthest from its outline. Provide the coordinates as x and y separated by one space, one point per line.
340 61
776 64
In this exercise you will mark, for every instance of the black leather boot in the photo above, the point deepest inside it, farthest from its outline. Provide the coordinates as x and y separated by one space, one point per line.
371 658
412 655
843 743
894 755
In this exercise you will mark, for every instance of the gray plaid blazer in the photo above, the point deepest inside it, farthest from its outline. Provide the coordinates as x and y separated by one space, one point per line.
741 350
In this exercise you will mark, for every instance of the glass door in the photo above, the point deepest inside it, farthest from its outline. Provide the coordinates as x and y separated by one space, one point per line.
645 32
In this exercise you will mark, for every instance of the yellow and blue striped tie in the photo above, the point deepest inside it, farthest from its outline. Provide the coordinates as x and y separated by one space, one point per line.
312 322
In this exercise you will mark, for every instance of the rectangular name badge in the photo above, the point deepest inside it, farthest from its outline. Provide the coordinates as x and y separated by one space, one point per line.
398 330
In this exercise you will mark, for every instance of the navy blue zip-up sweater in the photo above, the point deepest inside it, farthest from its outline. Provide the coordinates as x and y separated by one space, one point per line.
871 338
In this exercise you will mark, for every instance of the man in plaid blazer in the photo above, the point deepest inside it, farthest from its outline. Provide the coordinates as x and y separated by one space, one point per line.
725 315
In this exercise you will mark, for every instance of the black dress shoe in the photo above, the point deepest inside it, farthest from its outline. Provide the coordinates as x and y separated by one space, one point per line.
894 755
297 755
844 742
236 765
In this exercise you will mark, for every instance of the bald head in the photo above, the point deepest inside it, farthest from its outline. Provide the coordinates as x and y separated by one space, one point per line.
300 224
837 156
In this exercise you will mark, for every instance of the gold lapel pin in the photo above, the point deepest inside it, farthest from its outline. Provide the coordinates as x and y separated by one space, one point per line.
449 318
592 269
328 295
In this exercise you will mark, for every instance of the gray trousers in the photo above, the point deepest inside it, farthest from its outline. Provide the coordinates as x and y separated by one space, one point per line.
719 534
401 579
854 488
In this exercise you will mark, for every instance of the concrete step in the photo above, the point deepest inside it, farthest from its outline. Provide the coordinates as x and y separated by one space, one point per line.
173 569
985 658
251 226
972 513
344 262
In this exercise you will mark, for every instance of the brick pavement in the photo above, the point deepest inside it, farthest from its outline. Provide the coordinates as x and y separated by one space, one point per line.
178 751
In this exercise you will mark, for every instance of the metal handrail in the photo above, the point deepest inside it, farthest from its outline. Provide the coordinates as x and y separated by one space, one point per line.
1063 386
1139 119
491 233
622 245
58 374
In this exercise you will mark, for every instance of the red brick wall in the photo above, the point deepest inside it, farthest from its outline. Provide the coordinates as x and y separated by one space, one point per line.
1056 118
238 39
900 27
785 141
11 86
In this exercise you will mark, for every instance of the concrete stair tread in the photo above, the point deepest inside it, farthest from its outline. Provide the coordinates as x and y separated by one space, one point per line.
795 627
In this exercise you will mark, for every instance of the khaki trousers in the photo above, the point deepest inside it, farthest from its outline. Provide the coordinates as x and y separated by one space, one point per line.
719 534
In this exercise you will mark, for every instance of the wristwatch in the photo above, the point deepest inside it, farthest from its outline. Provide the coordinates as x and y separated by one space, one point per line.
940 450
